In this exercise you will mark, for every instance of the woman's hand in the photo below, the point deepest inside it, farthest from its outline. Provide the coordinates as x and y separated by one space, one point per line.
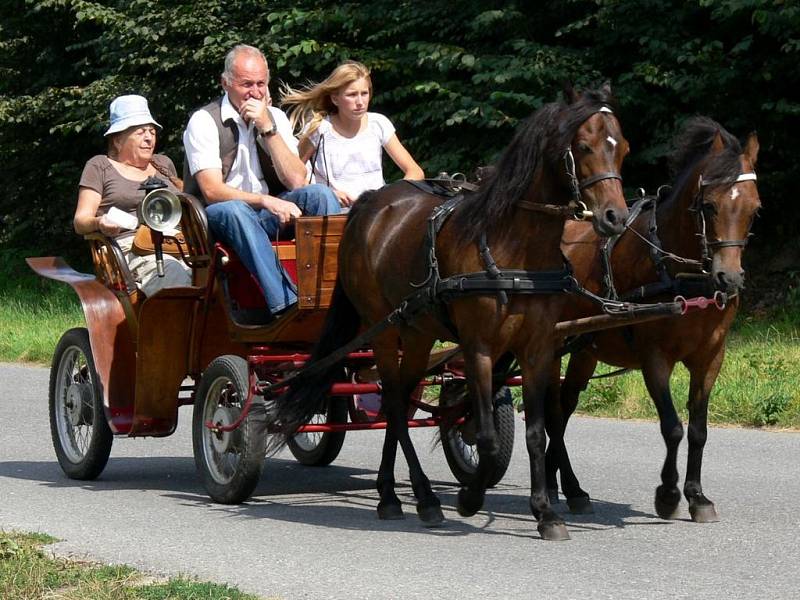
107 227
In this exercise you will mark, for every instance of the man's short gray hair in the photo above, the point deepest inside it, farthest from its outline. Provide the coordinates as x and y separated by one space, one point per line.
230 57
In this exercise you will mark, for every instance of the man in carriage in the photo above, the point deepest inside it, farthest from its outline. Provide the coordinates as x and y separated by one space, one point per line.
242 160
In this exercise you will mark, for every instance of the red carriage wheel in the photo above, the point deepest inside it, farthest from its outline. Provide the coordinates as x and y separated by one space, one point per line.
229 462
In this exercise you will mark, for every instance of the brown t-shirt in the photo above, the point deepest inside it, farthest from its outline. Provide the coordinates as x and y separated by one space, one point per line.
114 189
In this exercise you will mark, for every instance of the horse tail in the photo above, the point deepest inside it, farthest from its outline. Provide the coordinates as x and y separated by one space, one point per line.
306 395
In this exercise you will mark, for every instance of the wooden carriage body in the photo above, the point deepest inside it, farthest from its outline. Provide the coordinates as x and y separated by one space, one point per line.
145 348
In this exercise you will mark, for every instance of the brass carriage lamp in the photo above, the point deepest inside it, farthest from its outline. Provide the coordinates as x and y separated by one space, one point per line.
161 212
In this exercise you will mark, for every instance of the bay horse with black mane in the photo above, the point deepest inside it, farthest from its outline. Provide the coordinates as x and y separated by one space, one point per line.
703 225
566 153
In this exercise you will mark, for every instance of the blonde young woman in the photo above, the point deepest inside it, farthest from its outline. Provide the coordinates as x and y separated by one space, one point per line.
345 140
113 180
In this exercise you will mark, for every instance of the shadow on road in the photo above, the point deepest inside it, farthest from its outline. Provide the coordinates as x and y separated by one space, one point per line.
336 497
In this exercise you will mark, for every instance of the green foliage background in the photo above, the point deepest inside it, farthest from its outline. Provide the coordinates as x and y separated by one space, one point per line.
456 76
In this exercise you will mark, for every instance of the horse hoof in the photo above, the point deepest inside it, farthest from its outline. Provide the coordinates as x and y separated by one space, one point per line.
667 501
580 505
666 510
431 516
390 512
468 504
552 495
553 532
703 513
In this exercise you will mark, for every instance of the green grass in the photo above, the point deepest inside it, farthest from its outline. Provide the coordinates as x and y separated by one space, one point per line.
28 572
759 384
34 312
32 321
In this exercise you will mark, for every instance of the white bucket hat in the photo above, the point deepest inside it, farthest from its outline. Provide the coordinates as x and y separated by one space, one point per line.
128 111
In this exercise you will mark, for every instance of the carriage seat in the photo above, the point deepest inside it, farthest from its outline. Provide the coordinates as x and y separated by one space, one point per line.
310 261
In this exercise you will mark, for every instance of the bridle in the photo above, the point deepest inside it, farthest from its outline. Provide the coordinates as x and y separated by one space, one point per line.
657 253
708 247
576 209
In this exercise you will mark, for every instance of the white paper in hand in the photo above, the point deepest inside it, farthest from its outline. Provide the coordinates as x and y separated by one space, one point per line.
121 218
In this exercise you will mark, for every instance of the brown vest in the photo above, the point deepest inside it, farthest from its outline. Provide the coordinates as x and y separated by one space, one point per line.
228 142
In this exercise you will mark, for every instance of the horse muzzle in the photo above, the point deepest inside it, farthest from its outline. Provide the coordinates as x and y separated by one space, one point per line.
729 281
609 221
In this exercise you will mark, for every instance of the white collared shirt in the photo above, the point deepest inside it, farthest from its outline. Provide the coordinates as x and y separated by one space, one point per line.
201 143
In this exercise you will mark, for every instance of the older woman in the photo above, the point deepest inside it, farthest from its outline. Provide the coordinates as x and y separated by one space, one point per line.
113 180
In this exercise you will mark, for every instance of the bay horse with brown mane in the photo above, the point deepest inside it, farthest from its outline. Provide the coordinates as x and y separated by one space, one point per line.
565 152
704 222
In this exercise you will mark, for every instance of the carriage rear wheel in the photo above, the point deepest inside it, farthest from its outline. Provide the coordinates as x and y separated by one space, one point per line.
458 442
318 449
81 435
229 462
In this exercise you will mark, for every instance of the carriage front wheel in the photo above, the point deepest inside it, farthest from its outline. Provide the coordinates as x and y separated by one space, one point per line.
229 462
458 442
81 435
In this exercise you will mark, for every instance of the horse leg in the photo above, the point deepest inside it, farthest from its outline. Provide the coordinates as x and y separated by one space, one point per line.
554 426
389 505
560 408
536 368
398 386
478 369
656 371
386 350
702 379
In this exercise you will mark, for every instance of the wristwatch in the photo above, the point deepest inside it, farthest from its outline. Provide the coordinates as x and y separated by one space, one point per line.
269 132
272 130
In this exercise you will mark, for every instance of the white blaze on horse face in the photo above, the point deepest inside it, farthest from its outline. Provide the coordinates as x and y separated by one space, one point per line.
612 141
734 193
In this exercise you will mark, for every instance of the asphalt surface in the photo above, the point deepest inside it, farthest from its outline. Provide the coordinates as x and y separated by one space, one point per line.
312 533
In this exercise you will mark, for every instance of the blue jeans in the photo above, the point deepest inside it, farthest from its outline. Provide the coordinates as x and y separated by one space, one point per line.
241 227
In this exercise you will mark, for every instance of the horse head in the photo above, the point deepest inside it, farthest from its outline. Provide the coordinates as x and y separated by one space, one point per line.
593 159
726 203
563 160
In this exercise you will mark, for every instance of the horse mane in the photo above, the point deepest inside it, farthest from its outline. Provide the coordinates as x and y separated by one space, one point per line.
539 142
693 143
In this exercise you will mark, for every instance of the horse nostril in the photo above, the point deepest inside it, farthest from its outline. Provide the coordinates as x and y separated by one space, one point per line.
611 216
728 281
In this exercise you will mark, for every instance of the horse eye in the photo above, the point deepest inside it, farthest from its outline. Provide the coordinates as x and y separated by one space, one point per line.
709 208
585 148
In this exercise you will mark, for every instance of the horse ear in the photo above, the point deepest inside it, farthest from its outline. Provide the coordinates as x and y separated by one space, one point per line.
606 88
717 145
570 95
751 147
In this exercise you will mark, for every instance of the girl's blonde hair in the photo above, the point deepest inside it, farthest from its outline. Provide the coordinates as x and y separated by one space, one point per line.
309 105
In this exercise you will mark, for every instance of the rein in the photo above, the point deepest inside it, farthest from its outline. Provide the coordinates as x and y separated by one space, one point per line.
435 291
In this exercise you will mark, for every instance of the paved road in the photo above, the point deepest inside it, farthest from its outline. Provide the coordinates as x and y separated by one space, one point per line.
312 533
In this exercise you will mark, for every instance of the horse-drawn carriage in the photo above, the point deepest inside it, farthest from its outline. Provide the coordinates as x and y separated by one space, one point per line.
215 345
420 257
